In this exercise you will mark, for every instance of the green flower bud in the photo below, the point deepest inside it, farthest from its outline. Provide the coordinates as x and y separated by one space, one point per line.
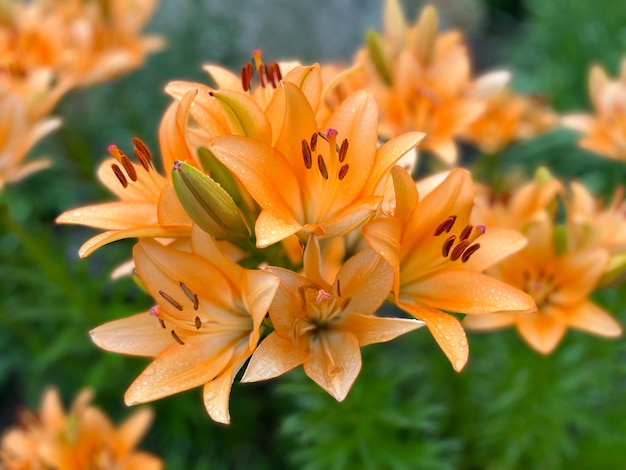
208 204
377 53
615 272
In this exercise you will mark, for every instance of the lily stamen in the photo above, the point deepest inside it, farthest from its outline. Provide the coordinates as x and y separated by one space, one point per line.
177 338
306 154
120 175
322 166
171 300
469 252
445 226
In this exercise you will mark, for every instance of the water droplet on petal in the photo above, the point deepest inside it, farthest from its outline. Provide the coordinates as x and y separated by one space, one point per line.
149 371
209 396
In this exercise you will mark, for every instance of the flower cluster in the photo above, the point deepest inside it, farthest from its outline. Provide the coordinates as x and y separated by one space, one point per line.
48 48
84 437
287 214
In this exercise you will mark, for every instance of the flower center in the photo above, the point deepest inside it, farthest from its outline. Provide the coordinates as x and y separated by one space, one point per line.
188 324
319 308
268 74
461 247
540 286
127 174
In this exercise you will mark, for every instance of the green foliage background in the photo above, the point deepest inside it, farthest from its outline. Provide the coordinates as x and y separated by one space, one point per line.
510 408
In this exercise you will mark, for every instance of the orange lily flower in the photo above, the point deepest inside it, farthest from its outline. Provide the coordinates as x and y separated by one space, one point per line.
559 282
593 226
605 132
437 257
422 80
77 41
82 438
312 181
323 324
148 205
18 134
509 117
205 325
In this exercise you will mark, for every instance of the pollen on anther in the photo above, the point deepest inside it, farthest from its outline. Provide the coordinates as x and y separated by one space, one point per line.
447 245
343 150
120 175
246 76
469 252
343 171
142 152
466 232
177 338
314 142
322 166
306 154
446 225
128 166
338 288
458 250
198 323
171 300
162 322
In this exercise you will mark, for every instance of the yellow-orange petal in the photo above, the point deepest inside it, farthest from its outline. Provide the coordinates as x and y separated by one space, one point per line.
335 362
489 321
496 244
258 289
104 238
169 210
383 235
51 410
591 318
275 356
111 215
133 429
216 396
270 229
142 461
260 168
542 331
349 218
181 367
389 153
579 275
468 292
137 335
369 329
356 119
366 278
446 330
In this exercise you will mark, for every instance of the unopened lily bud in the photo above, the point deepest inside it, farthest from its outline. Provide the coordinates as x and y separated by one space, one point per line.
377 54
244 115
561 239
208 204
543 176
615 272
425 34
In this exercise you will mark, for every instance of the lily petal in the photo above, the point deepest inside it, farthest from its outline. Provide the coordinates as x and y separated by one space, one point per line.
469 292
370 329
542 331
275 356
335 362
181 367
591 318
137 335
446 330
